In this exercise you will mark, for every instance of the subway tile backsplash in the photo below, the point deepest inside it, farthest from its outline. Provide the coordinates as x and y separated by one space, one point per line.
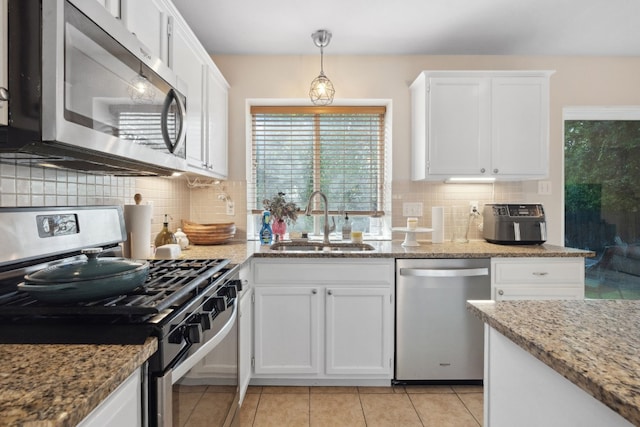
207 203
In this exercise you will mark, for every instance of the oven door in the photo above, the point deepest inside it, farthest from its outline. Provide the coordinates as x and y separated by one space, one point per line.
203 388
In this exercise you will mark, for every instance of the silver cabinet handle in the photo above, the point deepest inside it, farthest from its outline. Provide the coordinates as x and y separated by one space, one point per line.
483 170
434 272
496 170
500 292
540 273
329 292
4 94
314 291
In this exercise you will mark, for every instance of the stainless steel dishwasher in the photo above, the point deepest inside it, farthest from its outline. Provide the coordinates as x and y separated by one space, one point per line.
437 339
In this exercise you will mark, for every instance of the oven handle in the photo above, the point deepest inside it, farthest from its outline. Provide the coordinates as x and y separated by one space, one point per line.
182 368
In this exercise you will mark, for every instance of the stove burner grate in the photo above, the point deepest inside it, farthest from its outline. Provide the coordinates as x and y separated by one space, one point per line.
170 284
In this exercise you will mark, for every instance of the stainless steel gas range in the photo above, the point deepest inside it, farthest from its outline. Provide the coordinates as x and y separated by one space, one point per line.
189 305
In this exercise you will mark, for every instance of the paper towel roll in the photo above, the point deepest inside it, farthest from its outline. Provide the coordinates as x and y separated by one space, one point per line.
437 223
137 219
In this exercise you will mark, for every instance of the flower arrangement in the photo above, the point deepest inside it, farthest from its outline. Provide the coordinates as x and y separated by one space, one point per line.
281 209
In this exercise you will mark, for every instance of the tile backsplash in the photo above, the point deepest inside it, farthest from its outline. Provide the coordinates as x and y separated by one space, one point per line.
216 201
36 186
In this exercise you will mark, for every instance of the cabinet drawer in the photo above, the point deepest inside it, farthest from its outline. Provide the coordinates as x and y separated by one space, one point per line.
538 270
305 271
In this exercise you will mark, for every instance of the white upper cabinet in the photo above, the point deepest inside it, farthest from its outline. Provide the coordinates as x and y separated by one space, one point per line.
160 27
215 123
188 64
489 124
149 21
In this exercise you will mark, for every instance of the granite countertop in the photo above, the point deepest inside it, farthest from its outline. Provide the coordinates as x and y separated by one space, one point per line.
56 385
593 343
240 251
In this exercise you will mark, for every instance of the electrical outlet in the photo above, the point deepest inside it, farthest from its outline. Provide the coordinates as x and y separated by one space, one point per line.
412 209
473 207
544 188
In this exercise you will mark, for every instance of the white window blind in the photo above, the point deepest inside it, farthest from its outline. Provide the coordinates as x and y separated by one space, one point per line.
337 150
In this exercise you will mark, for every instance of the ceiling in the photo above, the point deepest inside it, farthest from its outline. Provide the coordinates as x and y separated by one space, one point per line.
411 27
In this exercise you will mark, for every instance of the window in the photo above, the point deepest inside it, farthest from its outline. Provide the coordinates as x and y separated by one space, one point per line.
339 150
602 171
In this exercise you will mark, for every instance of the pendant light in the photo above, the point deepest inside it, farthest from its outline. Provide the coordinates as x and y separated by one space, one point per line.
322 91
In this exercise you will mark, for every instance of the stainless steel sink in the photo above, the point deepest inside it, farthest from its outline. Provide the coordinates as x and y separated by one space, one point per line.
320 247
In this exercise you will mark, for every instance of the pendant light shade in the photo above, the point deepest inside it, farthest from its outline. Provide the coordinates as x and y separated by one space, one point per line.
322 91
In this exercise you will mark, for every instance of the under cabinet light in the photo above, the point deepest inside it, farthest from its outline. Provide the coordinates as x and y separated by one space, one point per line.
468 180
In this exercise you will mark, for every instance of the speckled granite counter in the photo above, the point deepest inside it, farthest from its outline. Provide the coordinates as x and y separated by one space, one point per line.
239 251
593 343
59 385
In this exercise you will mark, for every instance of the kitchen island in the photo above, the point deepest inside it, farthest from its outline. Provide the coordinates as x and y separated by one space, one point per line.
559 363
50 385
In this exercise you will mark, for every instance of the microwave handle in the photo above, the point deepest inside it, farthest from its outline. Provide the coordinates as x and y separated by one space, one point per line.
171 145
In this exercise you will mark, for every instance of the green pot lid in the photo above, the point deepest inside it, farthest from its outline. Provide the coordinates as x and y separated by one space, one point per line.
90 269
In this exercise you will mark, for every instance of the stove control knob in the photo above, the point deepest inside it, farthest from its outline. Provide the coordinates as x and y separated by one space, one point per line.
202 319
217 304
205 321
193 332
176 336
235 282
230 290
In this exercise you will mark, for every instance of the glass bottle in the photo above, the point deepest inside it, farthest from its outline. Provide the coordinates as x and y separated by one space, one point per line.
165 237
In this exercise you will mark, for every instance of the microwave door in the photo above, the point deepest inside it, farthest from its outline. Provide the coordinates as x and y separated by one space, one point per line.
108 100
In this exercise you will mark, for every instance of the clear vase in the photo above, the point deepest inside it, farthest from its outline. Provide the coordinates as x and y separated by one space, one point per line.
279 228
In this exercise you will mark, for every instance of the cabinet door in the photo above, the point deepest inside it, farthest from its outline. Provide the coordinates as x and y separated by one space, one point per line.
246 340
189 68
148 20
216 122
358 330
286 328
123 407
458 119
520 126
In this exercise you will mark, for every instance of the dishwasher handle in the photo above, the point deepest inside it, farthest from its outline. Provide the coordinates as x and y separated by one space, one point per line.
450 272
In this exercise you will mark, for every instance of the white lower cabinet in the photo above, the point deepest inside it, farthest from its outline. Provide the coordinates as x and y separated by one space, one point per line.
323 321
122 408
537 278
245 350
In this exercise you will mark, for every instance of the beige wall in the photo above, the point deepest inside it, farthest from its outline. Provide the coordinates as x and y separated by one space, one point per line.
577 81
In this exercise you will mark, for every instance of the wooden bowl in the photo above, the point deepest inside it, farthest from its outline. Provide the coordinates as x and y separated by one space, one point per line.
209 234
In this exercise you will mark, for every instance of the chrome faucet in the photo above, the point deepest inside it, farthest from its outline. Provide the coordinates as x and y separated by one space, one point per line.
327 228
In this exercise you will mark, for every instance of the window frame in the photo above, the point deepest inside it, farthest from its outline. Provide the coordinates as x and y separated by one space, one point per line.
252 217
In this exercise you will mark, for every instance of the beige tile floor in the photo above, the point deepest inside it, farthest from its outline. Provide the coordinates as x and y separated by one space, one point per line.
401 406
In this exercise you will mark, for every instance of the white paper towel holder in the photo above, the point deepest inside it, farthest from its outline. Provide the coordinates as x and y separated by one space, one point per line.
410 236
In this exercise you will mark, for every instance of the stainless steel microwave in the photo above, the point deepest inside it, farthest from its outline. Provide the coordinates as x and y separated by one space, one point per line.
84 93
